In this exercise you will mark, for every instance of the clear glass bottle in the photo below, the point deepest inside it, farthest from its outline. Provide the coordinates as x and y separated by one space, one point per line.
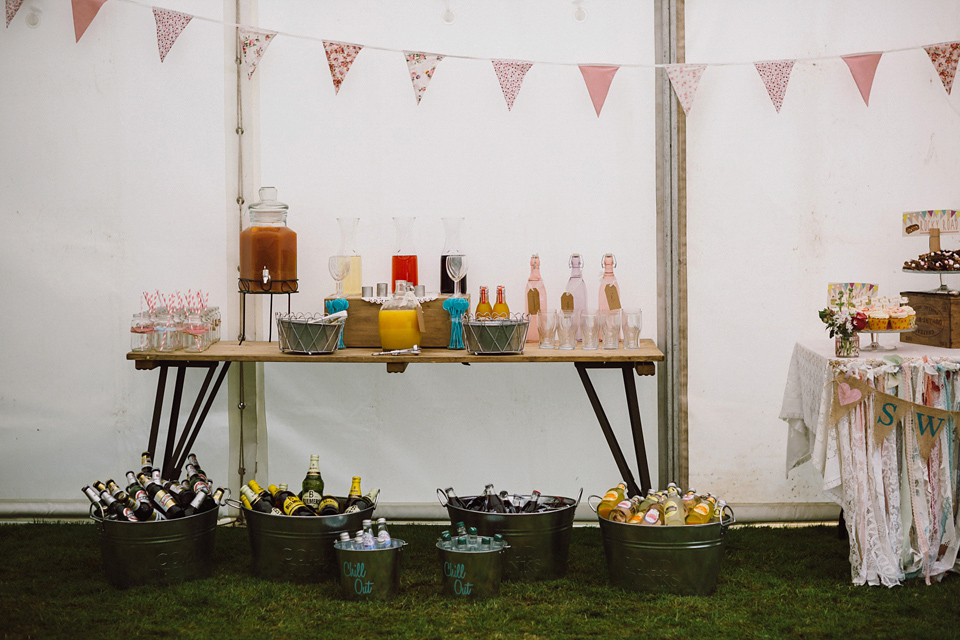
399 320
268 249
451 247
384 541
404 263
353 283
534 282
609 262
577 288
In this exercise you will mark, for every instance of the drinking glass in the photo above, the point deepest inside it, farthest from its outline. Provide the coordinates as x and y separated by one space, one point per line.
339 267
194 333
547 327
456 269
589 330
632 323
610 328
566 330
141 332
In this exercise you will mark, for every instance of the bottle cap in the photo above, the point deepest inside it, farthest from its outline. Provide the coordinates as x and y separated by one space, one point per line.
420 290
382 289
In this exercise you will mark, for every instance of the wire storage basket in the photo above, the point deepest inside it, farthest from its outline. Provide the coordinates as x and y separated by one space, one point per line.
496 336
308 333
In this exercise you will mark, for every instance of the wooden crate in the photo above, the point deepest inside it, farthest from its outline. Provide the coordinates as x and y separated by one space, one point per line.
363 330
938 319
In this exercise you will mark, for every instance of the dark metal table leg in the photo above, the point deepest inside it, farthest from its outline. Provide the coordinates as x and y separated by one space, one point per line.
203 415
633 407
157 407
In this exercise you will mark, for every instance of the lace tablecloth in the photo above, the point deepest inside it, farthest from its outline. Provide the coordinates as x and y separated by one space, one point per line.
900 510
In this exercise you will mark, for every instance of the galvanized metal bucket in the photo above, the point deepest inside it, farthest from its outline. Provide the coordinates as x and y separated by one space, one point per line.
298 549
539 543
682 560
165 552
370 575
471 574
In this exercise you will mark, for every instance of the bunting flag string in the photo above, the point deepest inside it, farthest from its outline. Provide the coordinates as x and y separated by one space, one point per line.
685 78
929 423
339 58
775 76
510 74
943 56
14 5
598 79
863 68
169 25
422 66
253 44
84 11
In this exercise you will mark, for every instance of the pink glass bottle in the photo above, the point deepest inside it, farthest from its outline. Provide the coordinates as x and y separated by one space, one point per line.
534 282
577 288
609 262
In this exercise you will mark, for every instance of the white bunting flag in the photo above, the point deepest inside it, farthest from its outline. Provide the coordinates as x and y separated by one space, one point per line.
421 66
169 26
775 76
510 74
685 78
253 44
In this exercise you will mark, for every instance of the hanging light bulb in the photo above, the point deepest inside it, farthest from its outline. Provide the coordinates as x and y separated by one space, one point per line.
579 14
447 15
33 18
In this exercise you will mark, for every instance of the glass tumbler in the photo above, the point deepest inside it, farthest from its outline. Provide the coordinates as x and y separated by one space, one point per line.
589 330
632 323
194 333
610 328
547 327
141 332
566 330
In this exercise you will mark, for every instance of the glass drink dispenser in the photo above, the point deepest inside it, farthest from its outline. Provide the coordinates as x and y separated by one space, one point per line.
268 249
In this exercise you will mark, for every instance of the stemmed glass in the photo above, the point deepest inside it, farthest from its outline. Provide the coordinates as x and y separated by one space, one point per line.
339 267
456 269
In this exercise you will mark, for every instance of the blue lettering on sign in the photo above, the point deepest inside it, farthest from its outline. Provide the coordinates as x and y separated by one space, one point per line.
462 589
361 587
454 570
886 409
354 570
929 425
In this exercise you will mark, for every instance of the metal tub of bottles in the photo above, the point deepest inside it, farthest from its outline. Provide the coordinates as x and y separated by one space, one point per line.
369 564
293 541
471 566
646 553
536 528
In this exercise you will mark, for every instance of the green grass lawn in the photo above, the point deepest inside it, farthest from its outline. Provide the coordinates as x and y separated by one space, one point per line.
773 583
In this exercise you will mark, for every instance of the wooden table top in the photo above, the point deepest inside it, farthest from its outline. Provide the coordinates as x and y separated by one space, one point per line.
252 351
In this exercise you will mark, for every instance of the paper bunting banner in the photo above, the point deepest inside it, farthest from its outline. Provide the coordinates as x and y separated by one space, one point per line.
863 68
888 410
84 11
169 26
14 5
421 66
253 44
598 79
943 56
685 78
510 73
775 76
339 57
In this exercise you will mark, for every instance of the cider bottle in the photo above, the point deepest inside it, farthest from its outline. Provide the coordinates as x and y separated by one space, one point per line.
673 514
484 311
500 308
611 499
256 502
289 503
701 513
654 515
312 494
329 506
365 502
625 510
354 495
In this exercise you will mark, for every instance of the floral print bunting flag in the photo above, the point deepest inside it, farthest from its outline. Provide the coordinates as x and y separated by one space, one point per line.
169 26
775 76
943 56
340 56
685 78
12 6
422 66
510 73
253 44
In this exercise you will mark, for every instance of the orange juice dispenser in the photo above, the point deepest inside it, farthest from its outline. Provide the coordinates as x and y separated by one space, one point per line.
268 248
400 319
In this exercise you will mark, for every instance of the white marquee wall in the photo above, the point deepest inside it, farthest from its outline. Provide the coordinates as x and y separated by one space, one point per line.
115 179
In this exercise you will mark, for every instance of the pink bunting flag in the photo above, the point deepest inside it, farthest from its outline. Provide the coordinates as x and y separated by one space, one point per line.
775 76
598 79
84 11
510 73
340 56
12 7
863 68
422 66
253 44
685 78
943 56
169 26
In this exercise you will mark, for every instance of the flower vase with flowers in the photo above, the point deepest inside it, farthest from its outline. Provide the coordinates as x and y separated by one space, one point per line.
843 321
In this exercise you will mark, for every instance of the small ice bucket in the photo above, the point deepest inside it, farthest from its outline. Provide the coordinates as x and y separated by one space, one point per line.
471 574
373 574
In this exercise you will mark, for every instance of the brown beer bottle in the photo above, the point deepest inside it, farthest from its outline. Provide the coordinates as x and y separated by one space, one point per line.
354 495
